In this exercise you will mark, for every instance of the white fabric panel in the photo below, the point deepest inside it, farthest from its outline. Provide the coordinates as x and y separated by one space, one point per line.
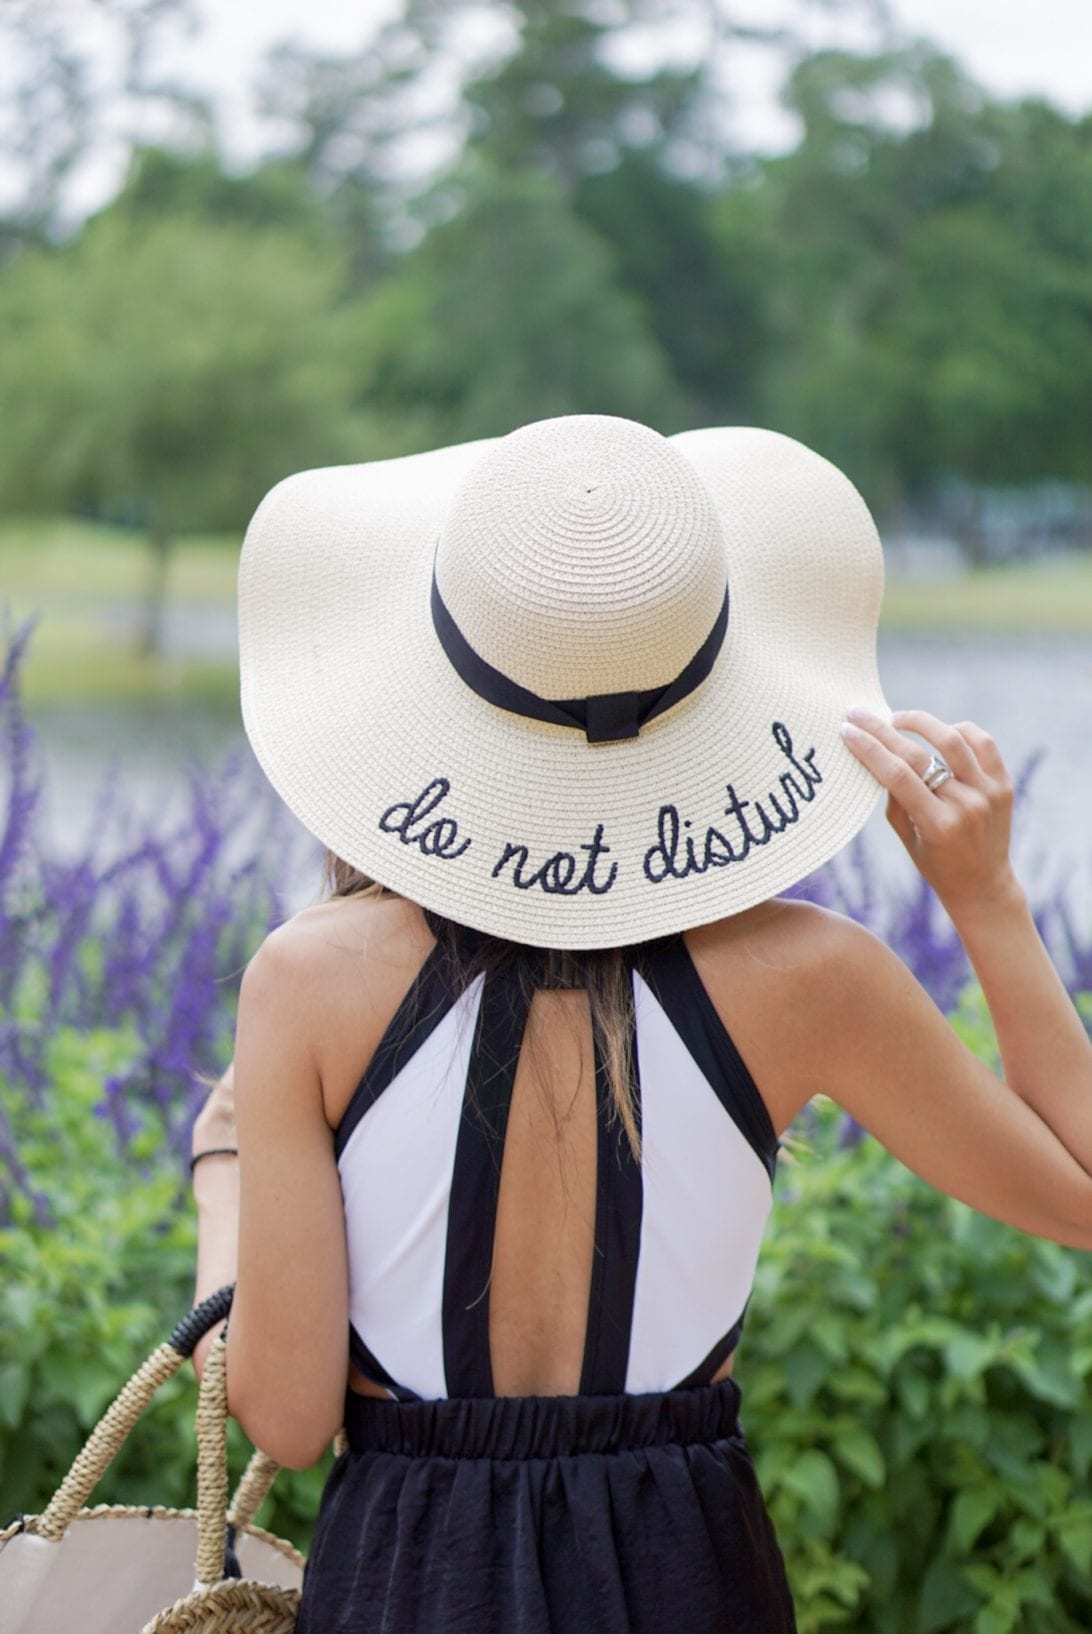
707 1196
396 1181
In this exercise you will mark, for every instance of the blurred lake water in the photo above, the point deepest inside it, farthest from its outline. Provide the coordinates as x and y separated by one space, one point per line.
1032 692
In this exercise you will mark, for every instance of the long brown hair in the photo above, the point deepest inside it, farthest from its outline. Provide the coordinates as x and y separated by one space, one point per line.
602 972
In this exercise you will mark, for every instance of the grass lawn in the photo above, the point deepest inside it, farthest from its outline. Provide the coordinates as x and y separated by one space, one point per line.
76 659
86 563
89 583
1049 596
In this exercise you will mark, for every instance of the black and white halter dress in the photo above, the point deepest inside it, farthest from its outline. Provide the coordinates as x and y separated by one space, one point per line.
630 1508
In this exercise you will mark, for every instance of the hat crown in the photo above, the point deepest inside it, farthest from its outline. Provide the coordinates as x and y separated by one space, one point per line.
582 556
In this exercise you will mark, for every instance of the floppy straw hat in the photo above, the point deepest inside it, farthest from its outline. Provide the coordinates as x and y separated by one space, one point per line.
578 686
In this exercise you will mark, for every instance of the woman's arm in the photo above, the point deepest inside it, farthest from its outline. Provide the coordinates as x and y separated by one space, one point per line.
886 1053
216 1195
287 1347
1045 1051
1021 1153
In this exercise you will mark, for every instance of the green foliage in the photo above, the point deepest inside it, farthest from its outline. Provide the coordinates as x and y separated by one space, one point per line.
706 299
510 312
96 1268
908 290
163 185
555 103
915 1386
167 372
63 83
926 289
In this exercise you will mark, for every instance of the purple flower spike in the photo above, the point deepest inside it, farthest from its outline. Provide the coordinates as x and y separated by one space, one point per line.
144 932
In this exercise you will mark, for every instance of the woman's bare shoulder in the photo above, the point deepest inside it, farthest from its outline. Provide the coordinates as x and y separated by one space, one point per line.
787 935
347 962
347 959
343 931
786 978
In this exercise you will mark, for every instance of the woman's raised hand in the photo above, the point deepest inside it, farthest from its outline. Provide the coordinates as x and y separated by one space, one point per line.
958 834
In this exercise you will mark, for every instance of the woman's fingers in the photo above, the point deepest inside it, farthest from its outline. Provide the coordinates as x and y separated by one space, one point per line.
957 833
989 755
897 763
952 743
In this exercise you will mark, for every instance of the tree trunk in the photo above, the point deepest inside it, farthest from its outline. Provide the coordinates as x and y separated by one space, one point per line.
972 534
150 635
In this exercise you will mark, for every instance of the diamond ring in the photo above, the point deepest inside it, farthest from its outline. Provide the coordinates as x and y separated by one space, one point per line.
936 773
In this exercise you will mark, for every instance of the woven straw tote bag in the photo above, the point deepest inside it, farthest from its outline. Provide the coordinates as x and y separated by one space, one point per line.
146 1569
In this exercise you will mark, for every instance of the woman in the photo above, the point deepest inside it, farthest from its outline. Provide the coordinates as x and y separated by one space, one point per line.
585 699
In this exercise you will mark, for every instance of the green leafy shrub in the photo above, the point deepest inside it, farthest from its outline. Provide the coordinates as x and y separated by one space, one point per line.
915 1390
96 1267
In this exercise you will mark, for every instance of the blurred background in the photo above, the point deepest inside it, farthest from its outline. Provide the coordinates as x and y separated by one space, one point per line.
239 241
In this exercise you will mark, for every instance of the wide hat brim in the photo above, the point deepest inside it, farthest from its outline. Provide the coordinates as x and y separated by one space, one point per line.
522 828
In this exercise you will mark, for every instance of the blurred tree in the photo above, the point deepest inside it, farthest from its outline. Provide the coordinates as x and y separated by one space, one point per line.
572 86
980 345
563 86
908 290
165 374
629 154
1043 178
78 75
348 117
556 103
510 312
705 297
163 183
928 282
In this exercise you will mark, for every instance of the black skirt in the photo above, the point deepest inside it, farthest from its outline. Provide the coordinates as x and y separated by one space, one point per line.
625 1514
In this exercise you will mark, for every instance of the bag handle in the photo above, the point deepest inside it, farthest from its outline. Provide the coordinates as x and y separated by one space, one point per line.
215 1522
254 1484
216 1525
109 1434
212 1474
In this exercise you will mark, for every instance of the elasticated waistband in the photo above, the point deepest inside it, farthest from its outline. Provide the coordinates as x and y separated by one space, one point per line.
506 1427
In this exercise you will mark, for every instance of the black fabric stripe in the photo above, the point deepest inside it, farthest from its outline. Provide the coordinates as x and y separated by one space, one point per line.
372 1368
619 1203
703 1373
606 717
681 992
475 1184
422 1008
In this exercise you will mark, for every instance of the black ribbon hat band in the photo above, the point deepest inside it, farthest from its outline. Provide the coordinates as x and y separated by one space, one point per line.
606 717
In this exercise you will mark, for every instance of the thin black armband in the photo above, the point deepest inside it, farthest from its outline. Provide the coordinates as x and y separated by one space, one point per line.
213 1151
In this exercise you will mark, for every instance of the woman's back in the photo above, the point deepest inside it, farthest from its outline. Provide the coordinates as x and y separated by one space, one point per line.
809 1002
661 1253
